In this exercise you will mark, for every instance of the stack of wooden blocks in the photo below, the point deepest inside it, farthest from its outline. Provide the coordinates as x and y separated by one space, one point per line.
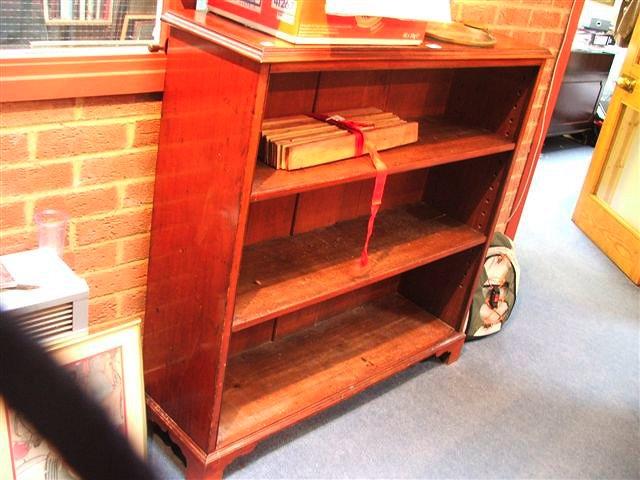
291 143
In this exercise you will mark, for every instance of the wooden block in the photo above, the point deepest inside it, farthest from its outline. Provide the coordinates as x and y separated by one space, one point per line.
333 149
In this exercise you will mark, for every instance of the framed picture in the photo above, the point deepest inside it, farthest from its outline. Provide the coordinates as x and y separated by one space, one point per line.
137 27
108 365
78 12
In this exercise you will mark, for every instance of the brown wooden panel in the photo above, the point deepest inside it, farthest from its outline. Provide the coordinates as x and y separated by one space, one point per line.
499 96
444 287
281 382
284 275
270 219
265 48
293 322
469 191
204 169
291 94
414 94
439 143
318 208
327 206
251 337
343 90
404 189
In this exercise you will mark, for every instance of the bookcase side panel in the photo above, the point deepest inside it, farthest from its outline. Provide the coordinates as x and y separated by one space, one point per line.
212 107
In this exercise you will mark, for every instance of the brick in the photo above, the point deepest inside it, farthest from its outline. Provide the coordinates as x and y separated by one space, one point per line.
76 140
137 194
36 178
563 3
103 309
12 215
123 167
14 147
93 257
478 14
552 40
546 19
514 16
132 303
133 248
120 106
534 38
18 241
79 203
116 279
113 227
19 114
146 132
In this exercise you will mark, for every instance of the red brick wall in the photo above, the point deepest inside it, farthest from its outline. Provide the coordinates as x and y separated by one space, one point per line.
95 158
541 22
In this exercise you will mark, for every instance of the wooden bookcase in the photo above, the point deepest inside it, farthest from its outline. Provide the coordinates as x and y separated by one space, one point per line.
258 312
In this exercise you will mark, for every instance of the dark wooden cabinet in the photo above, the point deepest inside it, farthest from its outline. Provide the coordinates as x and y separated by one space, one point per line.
580 91
259 313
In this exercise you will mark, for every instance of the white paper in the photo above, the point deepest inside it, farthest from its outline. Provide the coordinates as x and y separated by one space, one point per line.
431 10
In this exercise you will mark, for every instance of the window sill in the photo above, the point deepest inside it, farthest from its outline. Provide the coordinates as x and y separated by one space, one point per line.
86 72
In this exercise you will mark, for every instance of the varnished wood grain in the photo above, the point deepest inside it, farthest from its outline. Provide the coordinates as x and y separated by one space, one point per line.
204 169
291 94
439 143
469 191
298 320
214 102
282 382
264 48
500 97
283 275
270 219
443 287
251 337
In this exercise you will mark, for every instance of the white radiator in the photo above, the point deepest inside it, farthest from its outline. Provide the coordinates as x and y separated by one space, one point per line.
50 301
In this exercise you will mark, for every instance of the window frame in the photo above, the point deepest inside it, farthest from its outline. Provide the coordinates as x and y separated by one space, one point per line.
53 73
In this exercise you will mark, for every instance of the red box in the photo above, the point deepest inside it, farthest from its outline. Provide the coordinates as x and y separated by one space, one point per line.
305 21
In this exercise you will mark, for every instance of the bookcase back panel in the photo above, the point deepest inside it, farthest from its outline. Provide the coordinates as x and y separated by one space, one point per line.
291 94
308 317
443 288
469 191
270 219
296 214
499 95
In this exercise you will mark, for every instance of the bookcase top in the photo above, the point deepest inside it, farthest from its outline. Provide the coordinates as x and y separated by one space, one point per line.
265 48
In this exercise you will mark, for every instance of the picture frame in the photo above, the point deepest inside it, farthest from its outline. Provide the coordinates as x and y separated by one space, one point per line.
108 365
136 27
81 12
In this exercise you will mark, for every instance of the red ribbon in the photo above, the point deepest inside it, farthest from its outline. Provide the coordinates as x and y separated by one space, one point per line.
344 124
381 170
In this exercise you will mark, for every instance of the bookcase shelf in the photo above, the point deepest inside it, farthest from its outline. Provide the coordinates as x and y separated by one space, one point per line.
286 380
286 274
440 142
259 313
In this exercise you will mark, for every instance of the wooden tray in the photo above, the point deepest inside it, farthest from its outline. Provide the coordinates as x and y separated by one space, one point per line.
460 34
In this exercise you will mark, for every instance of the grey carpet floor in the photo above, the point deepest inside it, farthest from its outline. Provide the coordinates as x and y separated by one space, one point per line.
555 395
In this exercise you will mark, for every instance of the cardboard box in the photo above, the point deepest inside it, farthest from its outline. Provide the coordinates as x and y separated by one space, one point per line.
305 22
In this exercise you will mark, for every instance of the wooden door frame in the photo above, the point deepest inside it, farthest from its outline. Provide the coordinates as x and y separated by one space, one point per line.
618 239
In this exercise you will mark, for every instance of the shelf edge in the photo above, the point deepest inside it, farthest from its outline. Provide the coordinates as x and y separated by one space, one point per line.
355 285
260 195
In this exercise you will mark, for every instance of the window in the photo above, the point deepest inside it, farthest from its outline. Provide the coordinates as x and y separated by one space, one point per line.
41 24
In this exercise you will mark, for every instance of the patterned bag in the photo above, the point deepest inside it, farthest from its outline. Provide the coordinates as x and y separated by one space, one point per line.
497 288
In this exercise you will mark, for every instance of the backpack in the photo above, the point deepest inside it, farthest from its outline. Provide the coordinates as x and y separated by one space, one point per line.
497 288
